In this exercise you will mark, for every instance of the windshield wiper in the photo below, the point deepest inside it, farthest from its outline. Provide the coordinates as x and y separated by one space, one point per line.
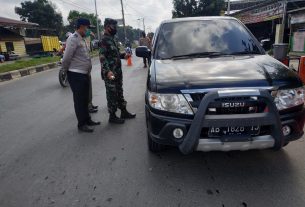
246 53
198 54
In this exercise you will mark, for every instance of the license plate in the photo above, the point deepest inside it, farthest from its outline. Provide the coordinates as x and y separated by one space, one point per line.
229 131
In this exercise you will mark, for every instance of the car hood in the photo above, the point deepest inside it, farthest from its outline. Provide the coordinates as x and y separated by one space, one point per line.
172 76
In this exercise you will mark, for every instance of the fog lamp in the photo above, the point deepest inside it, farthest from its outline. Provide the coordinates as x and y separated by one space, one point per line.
286 130
178 133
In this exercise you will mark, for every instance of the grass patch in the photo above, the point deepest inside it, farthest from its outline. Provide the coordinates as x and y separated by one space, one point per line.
20 64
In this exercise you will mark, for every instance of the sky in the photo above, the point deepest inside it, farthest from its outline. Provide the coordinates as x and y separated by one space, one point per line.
153 11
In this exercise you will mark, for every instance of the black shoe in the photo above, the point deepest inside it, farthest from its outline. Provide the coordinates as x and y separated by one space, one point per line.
115 120
92 110
85 128
94 107
93 123
126 115
91 106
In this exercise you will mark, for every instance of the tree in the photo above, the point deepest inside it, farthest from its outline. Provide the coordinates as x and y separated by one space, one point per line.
193 8
42 12
131 33
74 15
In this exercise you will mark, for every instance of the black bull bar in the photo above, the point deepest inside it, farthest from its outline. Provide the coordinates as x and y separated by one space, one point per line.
201 119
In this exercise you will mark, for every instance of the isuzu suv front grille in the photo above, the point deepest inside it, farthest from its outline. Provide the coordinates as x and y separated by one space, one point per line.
231 105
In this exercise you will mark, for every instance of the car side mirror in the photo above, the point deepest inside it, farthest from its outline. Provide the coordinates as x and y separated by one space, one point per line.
266 45
143 51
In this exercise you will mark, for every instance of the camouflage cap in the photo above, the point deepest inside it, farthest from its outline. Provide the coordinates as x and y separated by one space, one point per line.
109 21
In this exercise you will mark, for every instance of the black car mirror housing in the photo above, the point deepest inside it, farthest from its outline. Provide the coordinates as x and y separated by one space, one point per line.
143 51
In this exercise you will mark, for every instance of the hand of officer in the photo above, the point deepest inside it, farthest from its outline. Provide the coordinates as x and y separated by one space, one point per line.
110 75
127 56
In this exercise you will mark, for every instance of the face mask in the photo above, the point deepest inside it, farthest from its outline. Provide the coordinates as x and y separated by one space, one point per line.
113 30
88 32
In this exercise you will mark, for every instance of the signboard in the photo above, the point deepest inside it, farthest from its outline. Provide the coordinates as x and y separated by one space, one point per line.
298 42
262 14
294 64
297 18
120 22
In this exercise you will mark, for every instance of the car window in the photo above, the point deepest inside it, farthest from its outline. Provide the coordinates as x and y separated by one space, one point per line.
202 36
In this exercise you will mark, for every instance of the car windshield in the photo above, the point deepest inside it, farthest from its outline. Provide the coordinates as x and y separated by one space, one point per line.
203 38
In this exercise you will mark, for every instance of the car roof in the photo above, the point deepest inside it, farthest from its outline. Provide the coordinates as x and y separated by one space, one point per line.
198 18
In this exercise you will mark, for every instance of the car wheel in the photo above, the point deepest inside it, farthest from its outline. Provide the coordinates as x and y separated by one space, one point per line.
154 146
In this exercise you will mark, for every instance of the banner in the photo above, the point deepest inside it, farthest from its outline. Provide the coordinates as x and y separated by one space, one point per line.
262 14
298 42
120 22
297 18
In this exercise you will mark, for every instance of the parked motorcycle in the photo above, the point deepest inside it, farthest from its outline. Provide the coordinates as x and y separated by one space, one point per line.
62 76
63 79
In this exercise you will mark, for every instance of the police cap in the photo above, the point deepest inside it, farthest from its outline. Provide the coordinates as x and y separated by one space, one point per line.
83 21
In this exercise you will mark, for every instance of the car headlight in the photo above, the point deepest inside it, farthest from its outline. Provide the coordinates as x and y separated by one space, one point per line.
175 103
285 99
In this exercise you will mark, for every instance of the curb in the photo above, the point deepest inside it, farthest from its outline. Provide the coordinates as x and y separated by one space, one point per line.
26 71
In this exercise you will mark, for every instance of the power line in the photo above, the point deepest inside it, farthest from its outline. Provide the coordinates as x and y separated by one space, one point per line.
141 14
77 5
81 7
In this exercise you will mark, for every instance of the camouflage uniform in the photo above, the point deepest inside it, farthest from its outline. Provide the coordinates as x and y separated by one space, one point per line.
110 58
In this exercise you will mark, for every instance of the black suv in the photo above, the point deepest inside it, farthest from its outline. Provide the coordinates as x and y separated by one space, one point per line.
211 86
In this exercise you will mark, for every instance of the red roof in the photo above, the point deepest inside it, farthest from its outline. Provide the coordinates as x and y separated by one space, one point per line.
6 22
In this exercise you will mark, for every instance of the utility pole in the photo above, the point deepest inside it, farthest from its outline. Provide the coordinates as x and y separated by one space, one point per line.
283 21
143 23
97 24
139 25
125 36
229 5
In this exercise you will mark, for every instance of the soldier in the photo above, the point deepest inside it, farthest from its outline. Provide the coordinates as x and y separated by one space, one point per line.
77 62
111 70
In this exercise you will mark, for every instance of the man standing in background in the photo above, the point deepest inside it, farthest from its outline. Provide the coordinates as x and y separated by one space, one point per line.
77 62
145 41
91 107
111 69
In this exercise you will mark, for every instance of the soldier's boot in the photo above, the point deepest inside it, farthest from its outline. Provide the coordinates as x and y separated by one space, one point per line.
127 115
115 120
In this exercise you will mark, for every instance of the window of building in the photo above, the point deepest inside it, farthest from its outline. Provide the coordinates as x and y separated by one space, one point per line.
9 46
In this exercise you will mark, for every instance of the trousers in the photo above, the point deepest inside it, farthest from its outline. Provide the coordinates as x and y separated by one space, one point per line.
79 84
114 93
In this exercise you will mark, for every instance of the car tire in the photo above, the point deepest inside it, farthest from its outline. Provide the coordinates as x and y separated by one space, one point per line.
154 146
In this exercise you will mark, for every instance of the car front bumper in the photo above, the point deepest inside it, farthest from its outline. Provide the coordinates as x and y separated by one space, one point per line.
160 129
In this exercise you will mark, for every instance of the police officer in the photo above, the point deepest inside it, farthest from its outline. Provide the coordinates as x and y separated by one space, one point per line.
111 69
78 64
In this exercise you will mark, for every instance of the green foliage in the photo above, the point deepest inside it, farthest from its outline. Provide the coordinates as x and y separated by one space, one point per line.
20 64
193 8
131 33
42 12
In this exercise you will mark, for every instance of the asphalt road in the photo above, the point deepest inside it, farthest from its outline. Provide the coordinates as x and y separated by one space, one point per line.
44 161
